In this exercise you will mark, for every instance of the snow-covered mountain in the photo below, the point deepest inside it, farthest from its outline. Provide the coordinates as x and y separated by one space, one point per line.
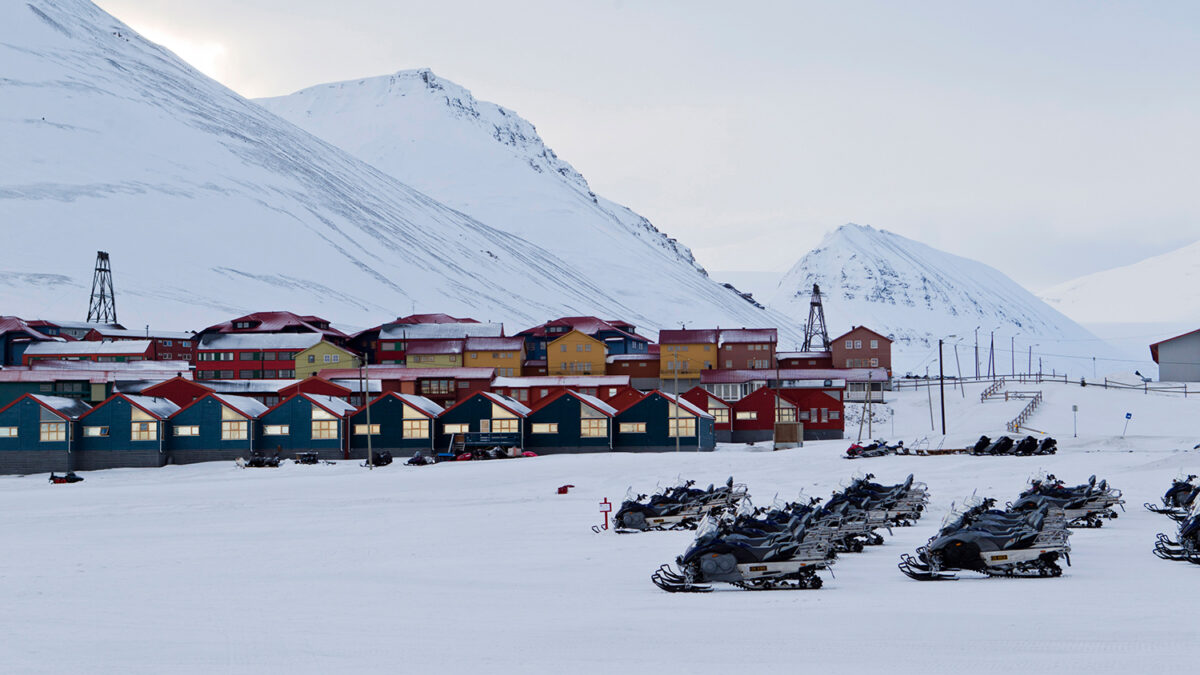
488 162
212 206
917 294
1161 289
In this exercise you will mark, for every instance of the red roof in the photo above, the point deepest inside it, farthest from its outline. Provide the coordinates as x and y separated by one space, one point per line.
314 384
588 325
858 329
278 322
1154 347
9 324
688 337
431 318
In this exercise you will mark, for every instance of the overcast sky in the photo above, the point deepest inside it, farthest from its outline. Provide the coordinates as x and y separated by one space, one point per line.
1046 139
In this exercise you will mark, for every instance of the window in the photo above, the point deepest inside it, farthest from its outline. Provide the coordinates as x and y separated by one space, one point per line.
286 356
312 358
707 348
143 431
94 432
593 428
745 415
233 431
249 374
336 357
53 431
8 432
456 428
165 356
785 415
720 415
187 344
849 344
462 385
564 348
551 428
520 394
287 374
250 356
474 355
276 430
858 344
728 363
803 415
632 427
835 414
416 428
47 388
587 347
324 429
509 426
268 356
242 324
180 430
874 363
874 344
683 426
327 358
436 386
361 429
270 374
165 343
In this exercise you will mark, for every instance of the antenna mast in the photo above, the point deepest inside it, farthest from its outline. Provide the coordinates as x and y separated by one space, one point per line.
103 306
816 323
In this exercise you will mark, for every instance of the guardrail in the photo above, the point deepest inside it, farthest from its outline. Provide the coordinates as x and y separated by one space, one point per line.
1015 424
991 390
1035 378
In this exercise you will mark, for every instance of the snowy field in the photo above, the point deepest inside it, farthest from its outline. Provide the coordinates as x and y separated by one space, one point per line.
482 568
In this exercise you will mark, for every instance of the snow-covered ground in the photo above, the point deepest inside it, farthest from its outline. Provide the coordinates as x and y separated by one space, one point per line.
481 567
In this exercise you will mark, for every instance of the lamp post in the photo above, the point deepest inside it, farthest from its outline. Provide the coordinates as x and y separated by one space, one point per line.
362 378
977 352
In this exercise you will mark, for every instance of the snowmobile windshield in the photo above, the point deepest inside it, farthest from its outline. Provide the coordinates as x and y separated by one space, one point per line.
707 529
746 508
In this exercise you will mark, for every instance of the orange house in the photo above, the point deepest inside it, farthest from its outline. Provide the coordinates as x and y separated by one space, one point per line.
575 354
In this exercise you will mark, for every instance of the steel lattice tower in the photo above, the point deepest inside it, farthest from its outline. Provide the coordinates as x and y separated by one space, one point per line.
816 323
103 305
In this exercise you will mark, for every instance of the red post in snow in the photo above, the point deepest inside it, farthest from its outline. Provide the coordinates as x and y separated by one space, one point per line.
605 508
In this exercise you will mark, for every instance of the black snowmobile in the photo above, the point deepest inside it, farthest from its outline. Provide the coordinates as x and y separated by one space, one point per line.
677 508
1187 547
1083 505
1178 499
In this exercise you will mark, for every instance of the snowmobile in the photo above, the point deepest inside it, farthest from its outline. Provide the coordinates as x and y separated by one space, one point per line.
1178 499
874 449
994 543
1083 505
380 458
986 446
259 460
69 477
743 556
678 508
1187 547
309 457
419 460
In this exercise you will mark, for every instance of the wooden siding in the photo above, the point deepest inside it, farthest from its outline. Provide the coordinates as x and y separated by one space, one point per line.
575 354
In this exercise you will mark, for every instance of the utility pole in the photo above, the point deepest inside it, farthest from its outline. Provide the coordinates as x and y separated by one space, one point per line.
870 407
1012 354
929 396
362 378
977 352
942 385
958 365
992 357
1029 368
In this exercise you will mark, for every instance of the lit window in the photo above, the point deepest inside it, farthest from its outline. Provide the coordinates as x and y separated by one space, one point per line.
361 430
683 426
180 430
91 431
785 415
416 428
233 431
720 415
508 426
324 429
593 428
8 432
143 431
551 428
747 415
456 428
53 431
633 427
276 430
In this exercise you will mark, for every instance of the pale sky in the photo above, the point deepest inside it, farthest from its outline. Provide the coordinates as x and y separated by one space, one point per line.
1046 139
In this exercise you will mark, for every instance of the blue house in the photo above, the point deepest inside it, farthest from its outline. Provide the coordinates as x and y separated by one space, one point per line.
570 422
307 422
15 336
39 434
659 420
618 336
215 427
124 431
482 420
401 424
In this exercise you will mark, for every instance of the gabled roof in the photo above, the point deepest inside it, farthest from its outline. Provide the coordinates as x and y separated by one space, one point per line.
259 341
278 322
435 347
418 403
1154 347
127 334
14 324
804 355
66 408
684 404
403 374
856 329
432 318
334 406
698 390
688 337
73 325
588 325
245 405
590 401
159 408
317 380
180 380
440 331
85 348
510 404
748 335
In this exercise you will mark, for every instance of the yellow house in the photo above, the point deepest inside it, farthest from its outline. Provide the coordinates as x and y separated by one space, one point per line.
321 356
684 353
505 354
575 354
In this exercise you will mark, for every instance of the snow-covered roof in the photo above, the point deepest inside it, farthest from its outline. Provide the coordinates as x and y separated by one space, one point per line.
439 331
510 403
748 335
159 407
494 344
687 405
78 325
435 347
561 381
334 405
687 337
259 341
588 325
403 374
86 348
71 407
250 407
14 323
373 386
126 333
422 404
144 369
248 386
631 357
740 376
596 403
803 355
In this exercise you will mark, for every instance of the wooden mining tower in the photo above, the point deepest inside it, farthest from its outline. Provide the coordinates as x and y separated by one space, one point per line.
816 323
103 305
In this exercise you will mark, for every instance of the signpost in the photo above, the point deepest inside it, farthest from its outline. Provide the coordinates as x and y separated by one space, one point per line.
605 508
1128 416
1075 415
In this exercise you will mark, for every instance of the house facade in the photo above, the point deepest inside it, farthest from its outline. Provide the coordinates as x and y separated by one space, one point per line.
307 422
484 419
505 354
569 422
684 354
125 431
575 353
215 427
862 347
747 348
165 345
40 434
1178 358
660 422
401 424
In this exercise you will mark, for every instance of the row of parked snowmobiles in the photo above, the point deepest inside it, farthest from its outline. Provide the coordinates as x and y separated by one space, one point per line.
784 546
1006 446
1181 505
1026 540
680 507
474 454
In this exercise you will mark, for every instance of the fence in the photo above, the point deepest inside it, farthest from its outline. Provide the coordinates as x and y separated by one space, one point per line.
1016 422
1038 378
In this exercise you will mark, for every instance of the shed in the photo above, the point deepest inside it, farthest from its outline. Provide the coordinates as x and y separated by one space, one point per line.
307 422
569 422
125 431
39 434
215 427
400 424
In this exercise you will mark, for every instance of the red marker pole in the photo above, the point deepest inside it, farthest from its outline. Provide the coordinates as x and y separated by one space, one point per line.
605 508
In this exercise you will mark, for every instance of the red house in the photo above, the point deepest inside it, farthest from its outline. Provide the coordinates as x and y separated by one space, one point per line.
747 348
801 360
862 347
165 345
279 322
120 352
819 410
717 407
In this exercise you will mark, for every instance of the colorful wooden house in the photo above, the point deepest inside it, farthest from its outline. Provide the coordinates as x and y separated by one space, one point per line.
754 416
307 422
804 360
16 335
40 434
684 354
484 419
434 354
323 355
444 386
747 348
394 340
861 347
165 345
505 354
659 421
715 406
575 353
125 431
532 390
821 409
279 322
401 424
618 337
641 369
215 427
82 350
570 422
